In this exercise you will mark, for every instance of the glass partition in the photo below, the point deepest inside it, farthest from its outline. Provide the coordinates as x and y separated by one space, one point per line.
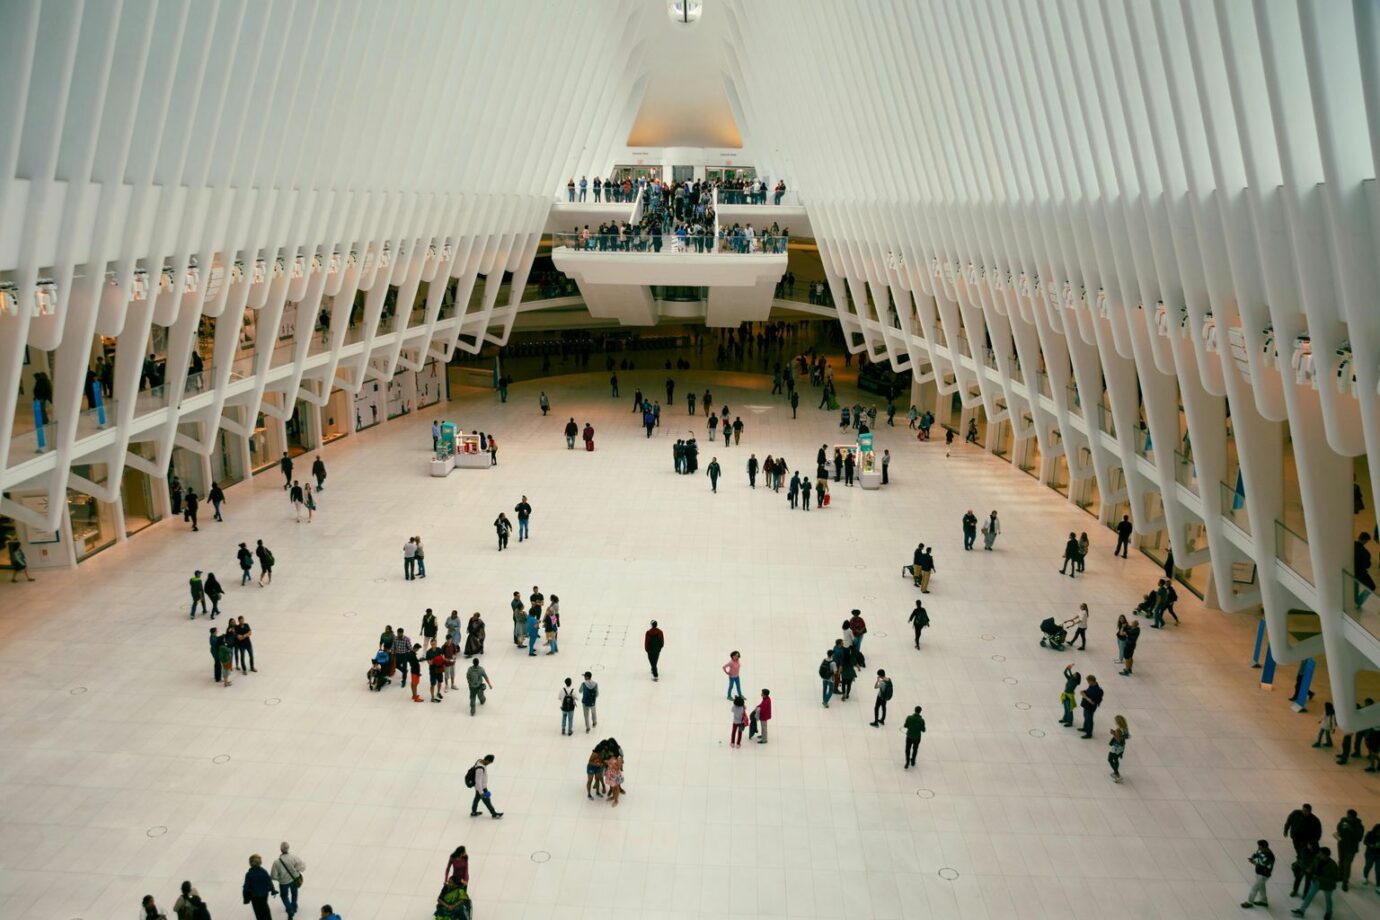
1292 550
1185 472
1234 508
670 243
93 521
1361 604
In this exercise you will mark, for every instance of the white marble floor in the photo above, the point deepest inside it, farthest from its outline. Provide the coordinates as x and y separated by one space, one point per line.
127 770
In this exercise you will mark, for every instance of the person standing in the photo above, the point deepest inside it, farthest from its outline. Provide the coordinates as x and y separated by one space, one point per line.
421 556
567 701
884 692
285 465
848 466
478 779
793 490
740 721
519 619
712 471
1092 698
215 653
524 514
503 527
216 497
733 668
795 402
318 470
1349 833
1067 699
805 489
409 551
886 467
551 625
927 568
969 529
752 471
1263 860
1123 536
589 701
198 593
589 435
1372 844
258 885
477 679
287 873
1070 556
571 430
533 629
990 530
764 714
653 641
1117 746
919 618
189 905
437 662
1081 630
1128 648
914 729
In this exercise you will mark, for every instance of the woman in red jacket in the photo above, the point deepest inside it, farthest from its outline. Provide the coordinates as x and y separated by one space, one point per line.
764 714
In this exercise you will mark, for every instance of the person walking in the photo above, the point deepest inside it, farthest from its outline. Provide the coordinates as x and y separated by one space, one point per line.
884 691
217 498
1372 845
764 714
733 668
1326 725
1084 544
409 552
1128 648
1349 834
1304 830
421 552
589 701
318 471
919 618
524 514
19 562
752 471
589 436
189 508
795 402
571 430
1081 630
712 471
285 465
258 885
296 498
1091 699
1124 529
653 641
1070 556
1325 876
544 403
1117 746
970 522
1263 861
914 729
477 679
793 490
990 529
287 874
567 701
503 527
198 592
477 778
1067 699
246 560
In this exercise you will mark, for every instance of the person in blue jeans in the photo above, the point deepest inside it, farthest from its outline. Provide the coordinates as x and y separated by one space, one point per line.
732 668
826 677
533 623
524 511
567 698
287 875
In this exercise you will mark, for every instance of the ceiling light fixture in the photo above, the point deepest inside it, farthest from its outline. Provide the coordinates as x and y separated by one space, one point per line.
685 12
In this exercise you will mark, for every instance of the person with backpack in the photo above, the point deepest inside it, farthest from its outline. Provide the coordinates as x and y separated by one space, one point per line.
919 619
246 561
827 676
884 692
914 729
216 497
477 778
589 699
190 906
567 700
265 556
1263 859
477 679
287 873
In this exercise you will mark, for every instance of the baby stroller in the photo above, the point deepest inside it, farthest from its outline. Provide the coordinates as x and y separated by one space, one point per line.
1055 633
454 903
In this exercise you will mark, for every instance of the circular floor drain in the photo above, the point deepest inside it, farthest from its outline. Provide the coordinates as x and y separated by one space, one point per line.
1010 681
1037 733
948 874
77 691
925 793
272 701
221 758
350 613
158 831
541 856
1022 706
986 637
998 657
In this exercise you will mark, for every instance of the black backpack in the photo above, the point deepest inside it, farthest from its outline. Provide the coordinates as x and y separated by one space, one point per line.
826 669
568 701
469 777
886 690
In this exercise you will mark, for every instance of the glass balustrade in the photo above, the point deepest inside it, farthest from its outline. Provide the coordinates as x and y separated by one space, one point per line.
1185 472
1234 507
1105 421
1292 550
1361 604
1075 403
670 243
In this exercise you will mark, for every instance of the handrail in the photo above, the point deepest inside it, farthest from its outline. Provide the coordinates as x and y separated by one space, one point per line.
1292 550
1361 604
669 243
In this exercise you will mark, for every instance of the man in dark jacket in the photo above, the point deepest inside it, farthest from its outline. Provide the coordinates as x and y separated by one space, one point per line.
258 887
1092 698
969 529
1350 830
1304 830
1071 555
652 643
919 619
1325 875
1123 536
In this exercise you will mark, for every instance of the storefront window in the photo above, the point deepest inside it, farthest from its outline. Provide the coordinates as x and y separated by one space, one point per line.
335 417
136 493
227 464
260 457
93 521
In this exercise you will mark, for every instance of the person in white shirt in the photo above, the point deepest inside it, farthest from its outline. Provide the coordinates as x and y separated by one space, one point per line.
1081 624
287 875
